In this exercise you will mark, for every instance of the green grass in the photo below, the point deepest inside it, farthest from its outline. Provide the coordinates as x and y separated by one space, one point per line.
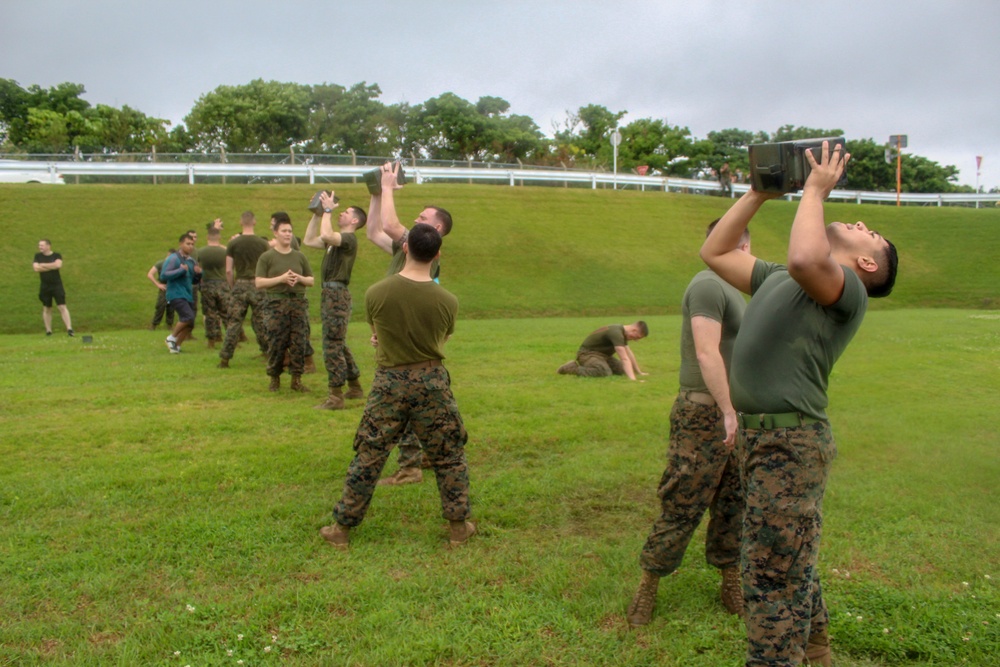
514 252
152 504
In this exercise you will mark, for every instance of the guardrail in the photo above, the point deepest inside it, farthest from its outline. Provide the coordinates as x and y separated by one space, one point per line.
422 174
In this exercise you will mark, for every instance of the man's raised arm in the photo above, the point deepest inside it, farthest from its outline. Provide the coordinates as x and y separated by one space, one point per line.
390 183
810 260
721 248
374 227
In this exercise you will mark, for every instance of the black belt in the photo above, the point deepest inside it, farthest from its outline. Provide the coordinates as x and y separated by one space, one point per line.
764 421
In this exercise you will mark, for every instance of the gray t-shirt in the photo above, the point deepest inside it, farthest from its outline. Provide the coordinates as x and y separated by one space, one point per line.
708 295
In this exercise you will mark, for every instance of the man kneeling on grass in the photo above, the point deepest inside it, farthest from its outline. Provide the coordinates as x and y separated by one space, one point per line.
596 356
411 318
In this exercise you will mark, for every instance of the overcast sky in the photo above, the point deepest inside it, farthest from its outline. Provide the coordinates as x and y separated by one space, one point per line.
872 68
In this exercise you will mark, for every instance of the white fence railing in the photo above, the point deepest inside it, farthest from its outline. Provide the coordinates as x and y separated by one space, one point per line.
421 174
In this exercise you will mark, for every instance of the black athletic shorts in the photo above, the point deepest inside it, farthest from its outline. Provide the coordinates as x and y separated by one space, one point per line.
50 293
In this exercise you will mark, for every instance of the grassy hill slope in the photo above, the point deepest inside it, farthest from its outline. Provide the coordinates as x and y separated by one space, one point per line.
514 252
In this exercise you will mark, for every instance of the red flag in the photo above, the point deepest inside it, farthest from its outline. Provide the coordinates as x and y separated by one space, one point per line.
979 162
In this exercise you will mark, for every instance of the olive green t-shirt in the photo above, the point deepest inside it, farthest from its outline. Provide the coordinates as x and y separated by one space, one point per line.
212 259
605 340
338 262
788 343
273 263
245 250
412 319
708 295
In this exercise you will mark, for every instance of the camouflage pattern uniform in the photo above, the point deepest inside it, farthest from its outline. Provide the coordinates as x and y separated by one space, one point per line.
244 296
701 472
336 313
422 399
784 472
214 307
700 475
596 356
781 367
286 321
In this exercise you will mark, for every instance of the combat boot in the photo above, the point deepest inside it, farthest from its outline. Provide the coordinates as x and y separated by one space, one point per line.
640 611
818 649
310 365
569 368
298 386
732 591
459 532
224 363
403 476
354 389
211 343
275 383
335 401
337 535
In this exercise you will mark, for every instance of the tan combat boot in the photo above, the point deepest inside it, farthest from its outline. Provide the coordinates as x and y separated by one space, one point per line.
275 383
732 591
569 368
403 476
354 389
298 386
337 535
640 611
335 401
224 363
459 532
310 365
818 649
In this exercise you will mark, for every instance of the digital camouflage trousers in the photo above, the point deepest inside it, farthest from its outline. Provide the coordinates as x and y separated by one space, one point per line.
286 323
422 399
701 474
214 307
784 473
335 311
244 296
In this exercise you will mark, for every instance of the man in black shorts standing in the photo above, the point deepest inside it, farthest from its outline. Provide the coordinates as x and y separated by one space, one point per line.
47 265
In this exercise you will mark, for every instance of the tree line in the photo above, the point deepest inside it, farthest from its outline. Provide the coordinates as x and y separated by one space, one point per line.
272 117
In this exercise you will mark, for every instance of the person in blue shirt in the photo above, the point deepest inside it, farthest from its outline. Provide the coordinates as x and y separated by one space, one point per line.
180 272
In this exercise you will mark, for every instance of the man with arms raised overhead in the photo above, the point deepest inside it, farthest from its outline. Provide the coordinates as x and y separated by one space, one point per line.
387 232
340 249
411 318
799 321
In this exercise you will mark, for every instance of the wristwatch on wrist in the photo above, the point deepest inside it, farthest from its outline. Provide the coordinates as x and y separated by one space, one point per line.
327 210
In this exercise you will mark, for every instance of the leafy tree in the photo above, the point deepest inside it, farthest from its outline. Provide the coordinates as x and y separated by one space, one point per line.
658 144
342 120
794 133
259 117
587 132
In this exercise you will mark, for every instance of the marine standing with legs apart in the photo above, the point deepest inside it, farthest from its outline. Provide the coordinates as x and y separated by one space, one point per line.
386 232
214 288
242 254
799 321
701 474
341 249
411 318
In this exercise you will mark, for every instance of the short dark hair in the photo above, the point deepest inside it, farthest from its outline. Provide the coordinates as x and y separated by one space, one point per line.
46 242
643 328
279 217
884 279
360 214
445 218
247 218
184 237
423 242
744 237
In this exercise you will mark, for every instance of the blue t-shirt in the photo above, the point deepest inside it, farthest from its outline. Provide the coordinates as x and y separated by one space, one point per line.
178 274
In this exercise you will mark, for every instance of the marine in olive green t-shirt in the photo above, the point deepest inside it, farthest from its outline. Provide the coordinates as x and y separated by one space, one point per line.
412 320
708 295
273 263
245 250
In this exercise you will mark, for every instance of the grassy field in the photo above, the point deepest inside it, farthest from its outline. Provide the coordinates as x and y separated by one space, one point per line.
514 252
155 510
